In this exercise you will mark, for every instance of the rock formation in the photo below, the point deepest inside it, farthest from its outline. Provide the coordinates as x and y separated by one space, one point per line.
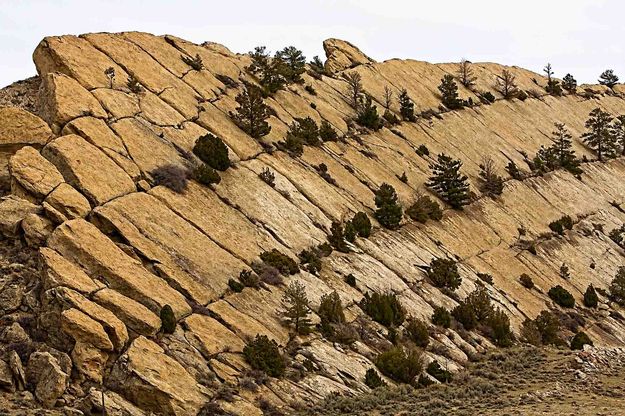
115 248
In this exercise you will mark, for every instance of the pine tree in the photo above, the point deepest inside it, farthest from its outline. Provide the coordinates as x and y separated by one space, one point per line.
252 112
406 106
569 83
337 237
297 307
367 114
388 97
618 128
599 136
355 89
562 149
492 183
608 78
591 300
553 85
465 74
505 84
449 92
211 150
292 64
266 69
389 212
330 312
448 182
317 65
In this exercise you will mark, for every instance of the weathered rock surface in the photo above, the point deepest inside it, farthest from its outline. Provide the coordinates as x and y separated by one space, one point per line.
60 272
82 328
138 318
37 229
89 360
12 211
342 55
66 203
33 172
49 379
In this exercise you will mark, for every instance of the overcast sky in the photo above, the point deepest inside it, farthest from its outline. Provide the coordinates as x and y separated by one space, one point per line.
582 37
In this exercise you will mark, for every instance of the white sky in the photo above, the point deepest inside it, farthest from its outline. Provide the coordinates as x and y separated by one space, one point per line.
582 37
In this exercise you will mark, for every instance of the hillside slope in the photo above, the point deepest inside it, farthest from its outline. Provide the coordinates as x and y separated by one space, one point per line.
116 248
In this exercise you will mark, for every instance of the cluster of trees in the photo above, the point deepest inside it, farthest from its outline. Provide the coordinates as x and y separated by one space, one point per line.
605 134
274 73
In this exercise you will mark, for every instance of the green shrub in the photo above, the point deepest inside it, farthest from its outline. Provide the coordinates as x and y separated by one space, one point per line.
441 317
487 97
267 176
252 113
306 130
389 211
362 224
310 89
206 175
616 235
543 330
367 115
293 145
434 369
465 314
311 259
249 279
423 150
171 176
280 261
444 274
617 287
561 296
373 379
168 320
449 93
424 209
564 223
406 106
330 313
399 364
417 332
235 285
499 328
579 340
485 277
263 354
327 132
591 300
383 308
134 85
526 281
337 237
195 63
211 150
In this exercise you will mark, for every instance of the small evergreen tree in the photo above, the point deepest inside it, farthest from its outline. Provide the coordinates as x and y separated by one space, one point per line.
579 340
367 114
211 150
608 78
305 130
492 183
168 319
330 313
448 182
362 224
591 300
506 84
561 296
618 129
252 112
553 85
406 106
263 354
569 83
400 364
562 149
373 379
354 84
389 211
441 317
617 287
417 332
599 136
388 97
465 74
337 237
444 273
384 308
327 132
292 63
449 92
317 65
423 209
195 63
266 69
297 307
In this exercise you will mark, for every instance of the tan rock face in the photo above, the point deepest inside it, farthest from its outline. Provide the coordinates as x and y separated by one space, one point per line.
82 328
212 336
63 99
342 55
36 229
76 158
33 172
155 381
51 381
60 272
138 318
19 128
12 211
67 203
89 361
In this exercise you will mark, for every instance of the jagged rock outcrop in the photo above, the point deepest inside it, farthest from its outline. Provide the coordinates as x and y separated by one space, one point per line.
117 247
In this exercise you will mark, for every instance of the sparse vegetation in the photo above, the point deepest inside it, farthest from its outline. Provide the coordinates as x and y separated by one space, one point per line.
526 281
599 135
389 211
384 308
211 150
544 330
443 273
235 285
361 224
617 287
562 224
505 84
337 237
569 83
263 354
492 183
194 62
267 176
400 364
553 85
171 176
561 296
354 86
608 78
465 74
283 263
449 93
367 114
373 379
417 331
434 369
134 85
447 181
579 340
591 300
297 308
424 209
441 317
330 313
406 106
206 175
249 279
327 132
168 320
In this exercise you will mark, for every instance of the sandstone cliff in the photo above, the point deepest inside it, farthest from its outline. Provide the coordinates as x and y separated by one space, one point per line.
114 250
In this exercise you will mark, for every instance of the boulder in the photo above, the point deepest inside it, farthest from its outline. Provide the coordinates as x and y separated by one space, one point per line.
14 333
342 55
6 376
50 380
60 272
12 211
15 363
20 128
114 404
156 382
36 229
63 99
82 328
138 318
34 173
87 169
211 337
11 293
89 361
66 203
